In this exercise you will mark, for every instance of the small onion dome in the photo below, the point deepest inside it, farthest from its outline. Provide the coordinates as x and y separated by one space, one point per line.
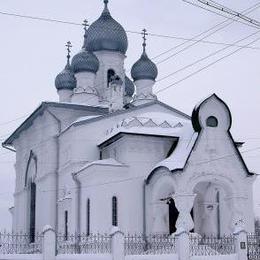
106 34
144 68
129 87
85 61
66 79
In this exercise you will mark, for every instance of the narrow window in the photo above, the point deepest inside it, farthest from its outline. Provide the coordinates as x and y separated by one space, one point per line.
32 212
110 75
212 121
218 213
114 211
66 219
88 217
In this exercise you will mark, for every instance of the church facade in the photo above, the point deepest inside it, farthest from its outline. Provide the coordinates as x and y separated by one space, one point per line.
110 154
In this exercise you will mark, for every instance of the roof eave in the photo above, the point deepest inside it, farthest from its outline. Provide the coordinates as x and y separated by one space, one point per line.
40 109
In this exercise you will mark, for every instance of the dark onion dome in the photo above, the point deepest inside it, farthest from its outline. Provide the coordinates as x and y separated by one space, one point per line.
106 34
144 68
66 79
85 61
129 87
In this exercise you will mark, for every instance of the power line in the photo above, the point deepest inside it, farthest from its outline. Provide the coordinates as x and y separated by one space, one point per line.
219 14
129 31
246 11
13 120
227 10
206 57
54 20
206 36
203 68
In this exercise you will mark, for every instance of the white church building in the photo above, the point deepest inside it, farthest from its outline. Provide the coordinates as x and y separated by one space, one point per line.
110 154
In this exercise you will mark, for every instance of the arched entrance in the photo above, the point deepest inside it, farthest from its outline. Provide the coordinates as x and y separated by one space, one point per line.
162 213
212 212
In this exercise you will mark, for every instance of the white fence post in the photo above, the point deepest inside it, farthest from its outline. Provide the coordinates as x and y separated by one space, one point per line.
182 244
49 243
241 244
117 244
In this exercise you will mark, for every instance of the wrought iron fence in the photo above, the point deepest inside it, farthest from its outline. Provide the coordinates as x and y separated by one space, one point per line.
19 243
206 246
253 246
151 244
83 244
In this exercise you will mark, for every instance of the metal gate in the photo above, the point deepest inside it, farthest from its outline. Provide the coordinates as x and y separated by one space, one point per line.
253 246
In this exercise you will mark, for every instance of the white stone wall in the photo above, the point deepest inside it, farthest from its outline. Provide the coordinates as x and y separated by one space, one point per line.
108 60
214 161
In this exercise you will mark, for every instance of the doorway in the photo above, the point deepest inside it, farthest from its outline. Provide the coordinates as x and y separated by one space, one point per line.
173 216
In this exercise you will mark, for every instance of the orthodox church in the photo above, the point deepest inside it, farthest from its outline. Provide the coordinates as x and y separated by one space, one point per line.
110 154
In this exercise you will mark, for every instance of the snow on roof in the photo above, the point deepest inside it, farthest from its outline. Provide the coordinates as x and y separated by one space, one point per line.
106 162
180 155
83 118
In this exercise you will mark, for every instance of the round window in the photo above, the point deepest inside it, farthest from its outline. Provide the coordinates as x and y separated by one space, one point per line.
212 121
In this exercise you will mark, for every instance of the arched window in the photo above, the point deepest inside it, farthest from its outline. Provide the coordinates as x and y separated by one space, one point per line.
32 211
66 225
88 217
212 121
114 212
110 74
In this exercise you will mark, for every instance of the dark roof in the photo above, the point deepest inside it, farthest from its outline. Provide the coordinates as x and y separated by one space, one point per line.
106 34
144 68
39 111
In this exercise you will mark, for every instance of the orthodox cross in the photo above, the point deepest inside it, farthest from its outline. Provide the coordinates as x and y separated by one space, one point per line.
85 24
144 33
69 46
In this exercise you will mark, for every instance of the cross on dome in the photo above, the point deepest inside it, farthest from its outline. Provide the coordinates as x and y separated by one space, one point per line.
69 46
105 2
144 33
85 24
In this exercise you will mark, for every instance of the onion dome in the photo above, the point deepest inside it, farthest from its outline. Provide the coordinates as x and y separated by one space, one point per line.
85 62
106 34
66 79
144 68
129 87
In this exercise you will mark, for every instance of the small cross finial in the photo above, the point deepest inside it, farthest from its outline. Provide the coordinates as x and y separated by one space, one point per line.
69 46
105 2
85 24
144 33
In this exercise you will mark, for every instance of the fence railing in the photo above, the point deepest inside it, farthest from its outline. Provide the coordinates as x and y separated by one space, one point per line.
83 244
19 243
138 244
206 246
151 244
253 246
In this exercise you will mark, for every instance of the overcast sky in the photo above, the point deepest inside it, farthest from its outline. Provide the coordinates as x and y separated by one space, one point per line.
33 52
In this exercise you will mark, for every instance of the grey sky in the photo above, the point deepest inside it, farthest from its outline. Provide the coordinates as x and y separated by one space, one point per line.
33 52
